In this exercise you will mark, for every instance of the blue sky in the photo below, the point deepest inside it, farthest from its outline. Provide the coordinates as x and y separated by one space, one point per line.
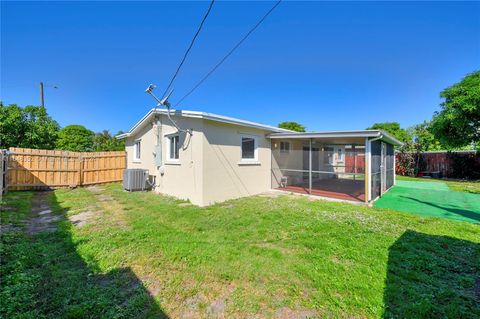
327 65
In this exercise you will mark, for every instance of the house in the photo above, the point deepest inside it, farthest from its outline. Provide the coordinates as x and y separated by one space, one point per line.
208 158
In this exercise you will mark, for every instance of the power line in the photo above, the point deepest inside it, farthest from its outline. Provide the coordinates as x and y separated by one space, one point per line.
189 48
229 53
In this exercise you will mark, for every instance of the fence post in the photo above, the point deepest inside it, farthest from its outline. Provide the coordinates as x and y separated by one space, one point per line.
80 178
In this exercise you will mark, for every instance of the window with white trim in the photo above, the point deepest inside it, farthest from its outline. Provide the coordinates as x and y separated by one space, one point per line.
328 155
249 148
137 150
284 147
173 147
340 154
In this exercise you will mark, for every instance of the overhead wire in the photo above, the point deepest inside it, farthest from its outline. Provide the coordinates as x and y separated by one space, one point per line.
189 48
230 52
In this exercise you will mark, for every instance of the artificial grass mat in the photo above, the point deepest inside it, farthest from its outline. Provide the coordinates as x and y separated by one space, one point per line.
433 199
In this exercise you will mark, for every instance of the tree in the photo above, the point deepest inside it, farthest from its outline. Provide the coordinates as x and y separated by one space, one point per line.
457 124
423 138
394 129
75 138
293 126
29 127
103 142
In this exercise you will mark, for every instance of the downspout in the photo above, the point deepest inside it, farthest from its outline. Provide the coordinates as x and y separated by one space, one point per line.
158 148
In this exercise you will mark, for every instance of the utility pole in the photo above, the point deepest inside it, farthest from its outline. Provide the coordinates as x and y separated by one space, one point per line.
42 104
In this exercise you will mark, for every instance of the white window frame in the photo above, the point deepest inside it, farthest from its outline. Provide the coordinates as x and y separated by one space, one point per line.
287 150
137 148
340 151
331 158
169 139
255 149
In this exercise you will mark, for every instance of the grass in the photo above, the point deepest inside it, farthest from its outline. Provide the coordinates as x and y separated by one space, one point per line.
147 256
455 185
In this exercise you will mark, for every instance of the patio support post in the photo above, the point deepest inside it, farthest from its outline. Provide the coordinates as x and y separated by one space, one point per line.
354 162
367 170
310 167
394 167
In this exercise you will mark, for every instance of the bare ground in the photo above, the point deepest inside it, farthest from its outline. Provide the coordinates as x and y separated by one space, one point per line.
42 219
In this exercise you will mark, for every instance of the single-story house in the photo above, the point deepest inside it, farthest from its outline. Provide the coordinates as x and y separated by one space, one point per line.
208 158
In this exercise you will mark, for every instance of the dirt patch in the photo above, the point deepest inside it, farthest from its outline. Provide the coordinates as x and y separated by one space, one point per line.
287 313
271 194
42 217
190 308
104 198
96 189
82 219
6 228
7 208
217 309
274 246
111 211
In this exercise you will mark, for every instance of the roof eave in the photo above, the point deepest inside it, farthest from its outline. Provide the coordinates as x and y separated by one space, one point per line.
391 139
206 116
331 134
122 136
339 134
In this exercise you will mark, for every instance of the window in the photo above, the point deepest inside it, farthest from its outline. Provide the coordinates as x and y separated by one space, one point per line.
284 147
136 150
340 154
173 147
249 148
328 155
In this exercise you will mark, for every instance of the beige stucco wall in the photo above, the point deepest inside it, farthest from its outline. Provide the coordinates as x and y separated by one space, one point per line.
292 160
209 168
182 178
147 138
225 175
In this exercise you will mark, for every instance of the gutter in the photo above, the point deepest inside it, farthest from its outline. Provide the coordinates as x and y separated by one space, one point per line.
376 138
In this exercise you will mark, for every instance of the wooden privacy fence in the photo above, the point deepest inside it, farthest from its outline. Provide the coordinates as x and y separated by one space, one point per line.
35 169
450 164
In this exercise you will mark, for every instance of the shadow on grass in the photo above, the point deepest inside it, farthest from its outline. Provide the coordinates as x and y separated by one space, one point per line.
59 283
432 277
474 216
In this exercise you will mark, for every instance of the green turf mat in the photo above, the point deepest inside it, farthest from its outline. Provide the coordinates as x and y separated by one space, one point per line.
434 200
438 186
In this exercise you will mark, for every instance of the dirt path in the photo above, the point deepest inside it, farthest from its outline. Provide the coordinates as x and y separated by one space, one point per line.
112 212
42 217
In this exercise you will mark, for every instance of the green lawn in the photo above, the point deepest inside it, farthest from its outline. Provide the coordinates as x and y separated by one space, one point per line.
144 255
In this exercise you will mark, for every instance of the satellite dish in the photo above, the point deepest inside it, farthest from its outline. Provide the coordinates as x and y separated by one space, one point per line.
162 102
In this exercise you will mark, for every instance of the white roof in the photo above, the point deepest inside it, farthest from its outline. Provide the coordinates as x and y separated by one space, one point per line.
338 134
201 115
277 133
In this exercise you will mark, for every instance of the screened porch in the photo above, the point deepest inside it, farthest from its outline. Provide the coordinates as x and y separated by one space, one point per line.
349 166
